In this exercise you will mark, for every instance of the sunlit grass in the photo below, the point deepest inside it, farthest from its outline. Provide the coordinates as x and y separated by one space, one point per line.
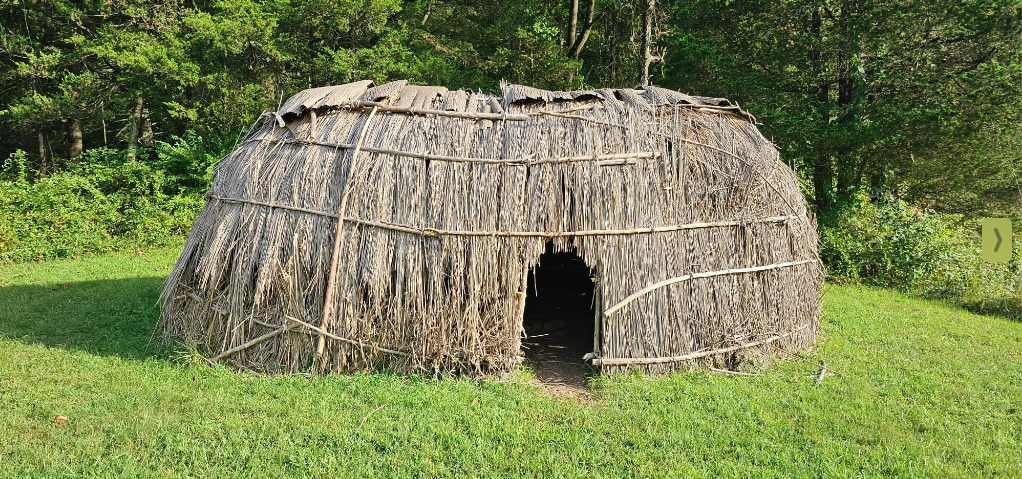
923 389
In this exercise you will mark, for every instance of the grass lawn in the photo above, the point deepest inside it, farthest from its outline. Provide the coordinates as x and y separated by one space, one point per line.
925 389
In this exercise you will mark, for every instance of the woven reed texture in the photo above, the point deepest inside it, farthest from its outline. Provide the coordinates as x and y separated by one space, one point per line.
680 198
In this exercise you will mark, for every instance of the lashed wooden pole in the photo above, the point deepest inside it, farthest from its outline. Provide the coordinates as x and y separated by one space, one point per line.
328 303
689 357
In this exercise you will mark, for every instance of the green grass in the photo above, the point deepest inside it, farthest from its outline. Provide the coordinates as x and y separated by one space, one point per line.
925 389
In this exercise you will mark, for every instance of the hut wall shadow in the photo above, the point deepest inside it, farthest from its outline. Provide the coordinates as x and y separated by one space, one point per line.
107 317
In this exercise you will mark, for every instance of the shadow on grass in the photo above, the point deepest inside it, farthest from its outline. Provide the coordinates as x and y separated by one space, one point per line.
108 317
1010 308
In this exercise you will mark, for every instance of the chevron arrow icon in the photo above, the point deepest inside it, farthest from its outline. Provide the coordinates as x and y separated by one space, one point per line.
997 246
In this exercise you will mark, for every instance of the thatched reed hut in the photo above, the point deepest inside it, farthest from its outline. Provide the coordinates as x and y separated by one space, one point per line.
364 226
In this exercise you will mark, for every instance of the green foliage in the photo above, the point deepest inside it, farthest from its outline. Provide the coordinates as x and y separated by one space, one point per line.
188 161
106 202
919 98
58 216
879 94
922 389
912 97
15 167
892 244
213 66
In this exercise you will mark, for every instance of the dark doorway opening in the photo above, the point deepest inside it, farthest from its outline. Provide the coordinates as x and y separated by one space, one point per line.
559 319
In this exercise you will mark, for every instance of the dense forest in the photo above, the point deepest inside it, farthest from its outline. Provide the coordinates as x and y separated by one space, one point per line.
891 108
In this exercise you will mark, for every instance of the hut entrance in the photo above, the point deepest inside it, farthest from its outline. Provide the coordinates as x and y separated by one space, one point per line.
559 318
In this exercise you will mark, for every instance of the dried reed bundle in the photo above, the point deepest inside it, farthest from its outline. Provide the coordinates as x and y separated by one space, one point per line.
394 226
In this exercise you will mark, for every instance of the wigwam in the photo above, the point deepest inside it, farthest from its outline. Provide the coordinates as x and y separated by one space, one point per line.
395 226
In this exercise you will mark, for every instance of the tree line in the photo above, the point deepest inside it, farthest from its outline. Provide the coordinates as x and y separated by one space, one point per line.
918 98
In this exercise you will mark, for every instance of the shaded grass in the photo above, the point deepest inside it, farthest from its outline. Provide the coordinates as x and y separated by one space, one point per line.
924 389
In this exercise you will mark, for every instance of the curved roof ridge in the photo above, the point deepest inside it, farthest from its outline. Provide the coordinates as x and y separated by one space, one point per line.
401 93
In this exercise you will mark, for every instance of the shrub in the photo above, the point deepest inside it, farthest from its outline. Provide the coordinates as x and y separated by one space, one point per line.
189 160
104 202
58 216
887 242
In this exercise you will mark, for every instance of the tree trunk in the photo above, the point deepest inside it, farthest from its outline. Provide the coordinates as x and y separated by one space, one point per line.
612 42
647 40
102 119
851 97
823 166
576 47
136 121
74 138
42 153
573 22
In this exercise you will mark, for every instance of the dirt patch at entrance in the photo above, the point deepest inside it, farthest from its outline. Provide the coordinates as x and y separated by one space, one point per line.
559 370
